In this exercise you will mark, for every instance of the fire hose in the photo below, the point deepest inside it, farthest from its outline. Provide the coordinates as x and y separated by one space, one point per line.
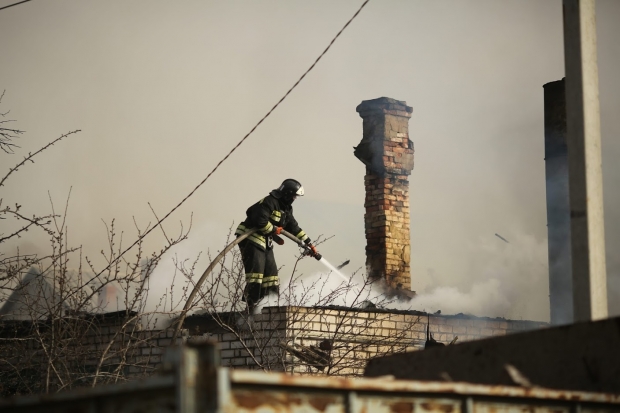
205 274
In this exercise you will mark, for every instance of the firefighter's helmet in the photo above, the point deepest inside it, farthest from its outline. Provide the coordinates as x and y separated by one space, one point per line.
291 188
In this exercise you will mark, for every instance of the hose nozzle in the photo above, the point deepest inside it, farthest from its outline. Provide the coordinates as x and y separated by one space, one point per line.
308 252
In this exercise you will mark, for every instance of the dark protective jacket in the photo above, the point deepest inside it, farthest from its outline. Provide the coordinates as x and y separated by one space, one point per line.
267 214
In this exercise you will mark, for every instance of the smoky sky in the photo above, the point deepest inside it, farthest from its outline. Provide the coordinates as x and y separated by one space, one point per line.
163 90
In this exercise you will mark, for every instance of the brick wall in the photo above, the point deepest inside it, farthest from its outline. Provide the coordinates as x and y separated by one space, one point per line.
245 342
387 152
134 353
79 349
339 341
299 340
359 335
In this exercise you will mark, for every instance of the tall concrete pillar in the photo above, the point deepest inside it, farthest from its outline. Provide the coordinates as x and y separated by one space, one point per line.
387 152
584 161
558 208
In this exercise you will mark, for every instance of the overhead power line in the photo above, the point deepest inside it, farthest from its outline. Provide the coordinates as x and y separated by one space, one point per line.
14 4
158 223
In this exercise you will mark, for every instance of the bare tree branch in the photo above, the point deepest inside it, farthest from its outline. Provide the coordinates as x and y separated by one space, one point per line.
32 155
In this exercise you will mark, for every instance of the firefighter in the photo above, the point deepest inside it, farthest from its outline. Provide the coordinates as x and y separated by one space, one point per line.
269 215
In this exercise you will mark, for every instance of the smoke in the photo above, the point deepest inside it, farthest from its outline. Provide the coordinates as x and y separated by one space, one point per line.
510 281
508 285
168 283
506 280
483 299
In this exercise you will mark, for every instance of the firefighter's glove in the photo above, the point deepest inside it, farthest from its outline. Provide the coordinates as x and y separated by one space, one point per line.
314 252
277 231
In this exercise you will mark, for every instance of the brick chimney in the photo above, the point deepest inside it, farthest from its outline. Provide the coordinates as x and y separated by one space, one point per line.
387 152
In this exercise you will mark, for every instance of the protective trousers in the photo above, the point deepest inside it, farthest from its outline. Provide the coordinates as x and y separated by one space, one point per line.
261 273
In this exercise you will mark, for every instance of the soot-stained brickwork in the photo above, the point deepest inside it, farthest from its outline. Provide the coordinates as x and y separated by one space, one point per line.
387 152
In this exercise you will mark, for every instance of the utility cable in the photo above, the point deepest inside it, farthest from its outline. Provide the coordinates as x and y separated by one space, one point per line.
14 4
237 145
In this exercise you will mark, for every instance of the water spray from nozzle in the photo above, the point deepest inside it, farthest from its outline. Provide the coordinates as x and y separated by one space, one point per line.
341 275
334 269
317 256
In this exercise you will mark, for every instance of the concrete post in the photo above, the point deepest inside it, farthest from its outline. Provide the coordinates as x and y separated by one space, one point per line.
584 161
558 210
387 152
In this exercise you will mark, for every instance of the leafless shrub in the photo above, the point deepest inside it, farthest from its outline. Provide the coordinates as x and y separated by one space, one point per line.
301 331
55 333
7 135
58 329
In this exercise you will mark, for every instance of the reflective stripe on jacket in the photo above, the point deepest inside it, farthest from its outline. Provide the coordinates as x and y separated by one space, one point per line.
266 214
256 238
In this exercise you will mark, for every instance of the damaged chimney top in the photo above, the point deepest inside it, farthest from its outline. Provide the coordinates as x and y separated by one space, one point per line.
387 152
